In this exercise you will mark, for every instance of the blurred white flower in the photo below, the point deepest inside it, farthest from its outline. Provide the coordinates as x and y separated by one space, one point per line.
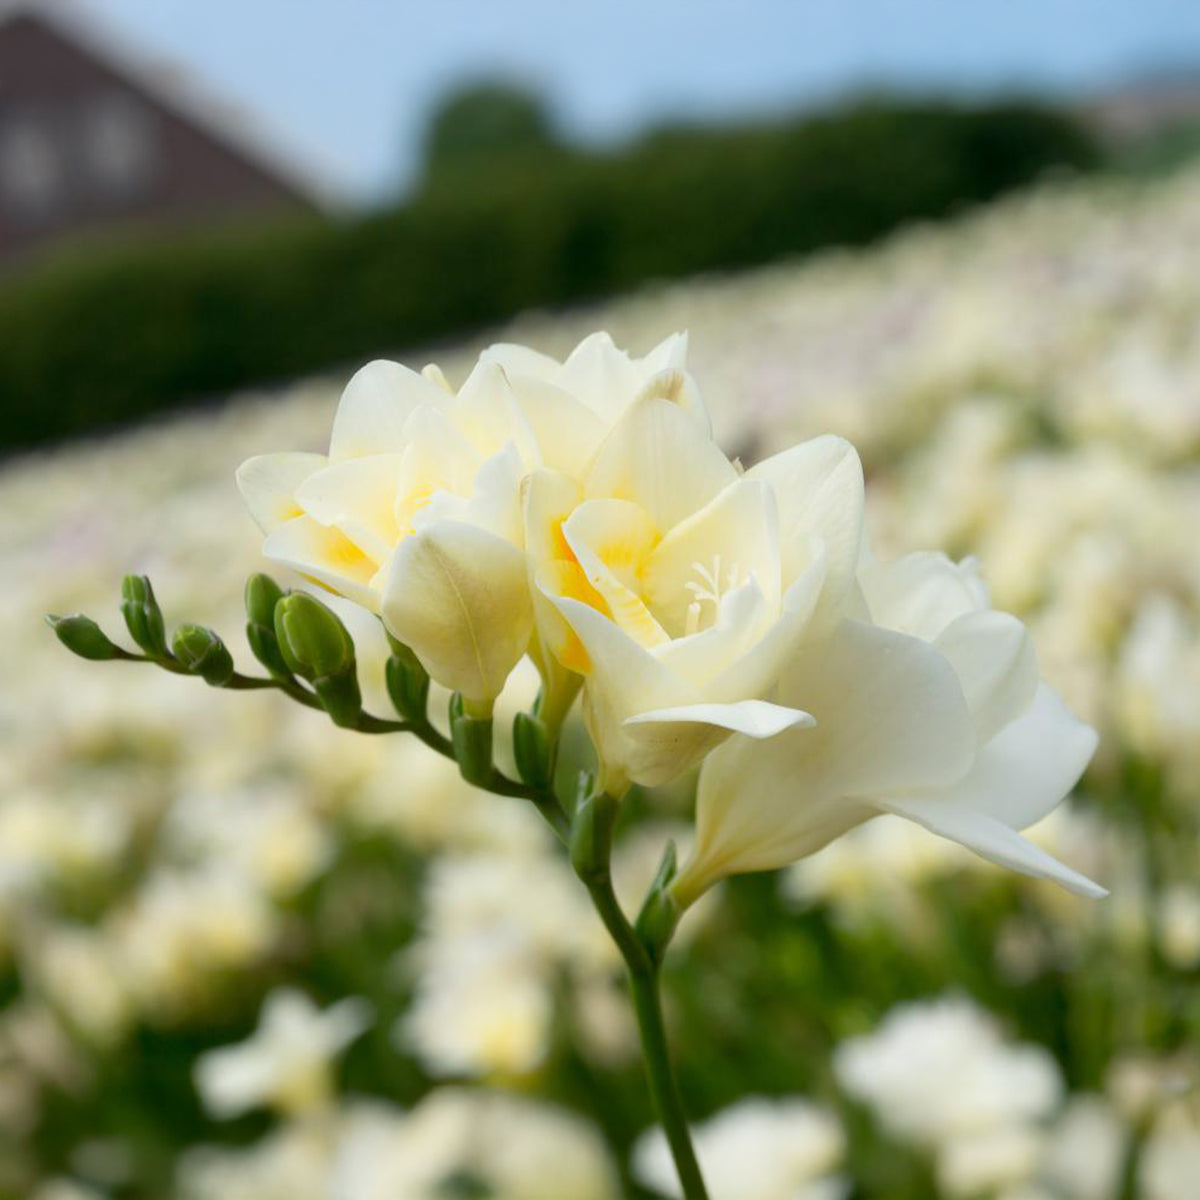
1169 1163
759 1149
513 1148
287 1062
938 1074
1085 1150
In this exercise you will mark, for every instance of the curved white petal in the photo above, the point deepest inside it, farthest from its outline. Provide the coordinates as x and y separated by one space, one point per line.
268 484
459 597
487 413
565 430
889 713
922 593
993 656
374 407
993 840
658 456
325 555
754 718
819 486
359 498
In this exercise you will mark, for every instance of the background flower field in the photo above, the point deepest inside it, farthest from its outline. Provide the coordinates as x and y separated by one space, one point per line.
427 1005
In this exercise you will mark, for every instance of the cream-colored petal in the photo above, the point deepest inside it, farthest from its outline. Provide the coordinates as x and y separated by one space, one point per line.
677 386
437 458
624 680
566 431
1027 769
733 538
992 654
601 375
268 484
459 597
890 716
487 413
658 456
993 840
819 487
754 718
521 360
359 498
495 502
743 619
611 539
922 593
325 556
374 408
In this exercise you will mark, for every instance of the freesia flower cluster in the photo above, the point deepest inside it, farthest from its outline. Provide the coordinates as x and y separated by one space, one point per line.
580 512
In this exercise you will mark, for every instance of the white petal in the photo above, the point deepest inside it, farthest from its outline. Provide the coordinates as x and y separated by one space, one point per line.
735 535
890 714
754 718
992 654
326 556
487 413
521 360
459 597
993 840
359 498
268 484
922 593
566 431
374 408
819 486
1028 768
658 456
601 375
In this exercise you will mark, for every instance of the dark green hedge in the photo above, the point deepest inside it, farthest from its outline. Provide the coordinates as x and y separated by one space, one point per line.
94 340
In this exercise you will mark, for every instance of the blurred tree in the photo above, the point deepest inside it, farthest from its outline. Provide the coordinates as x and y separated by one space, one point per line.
485 121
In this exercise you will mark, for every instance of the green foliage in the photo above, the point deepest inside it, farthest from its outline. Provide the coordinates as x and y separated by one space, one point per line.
114 336
484 122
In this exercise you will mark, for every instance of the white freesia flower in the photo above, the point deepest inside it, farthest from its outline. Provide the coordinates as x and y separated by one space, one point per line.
760 1149
938 1071
929 707
286 1062
415 512
679 587
509 1147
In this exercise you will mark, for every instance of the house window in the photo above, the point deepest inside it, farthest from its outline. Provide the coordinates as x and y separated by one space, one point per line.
119 144
32 168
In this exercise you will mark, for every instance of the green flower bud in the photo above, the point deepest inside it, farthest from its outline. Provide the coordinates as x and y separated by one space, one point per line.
472 741
203 653
143 616
81 635
533 750
660 914
262 596
314 643
591 836
407 682
341 698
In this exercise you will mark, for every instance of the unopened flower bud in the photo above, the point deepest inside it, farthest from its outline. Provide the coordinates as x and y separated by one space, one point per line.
143 615
313 641
591 836
472 741
203 653
660 914
262 595
533 750
407 682
81 635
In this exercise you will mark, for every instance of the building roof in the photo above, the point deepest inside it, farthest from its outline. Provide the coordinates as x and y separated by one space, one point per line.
178 91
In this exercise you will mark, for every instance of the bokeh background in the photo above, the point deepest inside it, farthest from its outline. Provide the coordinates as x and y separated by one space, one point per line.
245 954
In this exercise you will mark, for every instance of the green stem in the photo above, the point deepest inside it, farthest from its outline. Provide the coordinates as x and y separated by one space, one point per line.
643 976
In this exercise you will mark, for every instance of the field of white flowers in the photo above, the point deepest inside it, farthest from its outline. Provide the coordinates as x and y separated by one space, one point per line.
246 954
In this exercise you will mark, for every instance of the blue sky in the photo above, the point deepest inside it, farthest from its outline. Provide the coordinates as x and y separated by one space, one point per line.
347 82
